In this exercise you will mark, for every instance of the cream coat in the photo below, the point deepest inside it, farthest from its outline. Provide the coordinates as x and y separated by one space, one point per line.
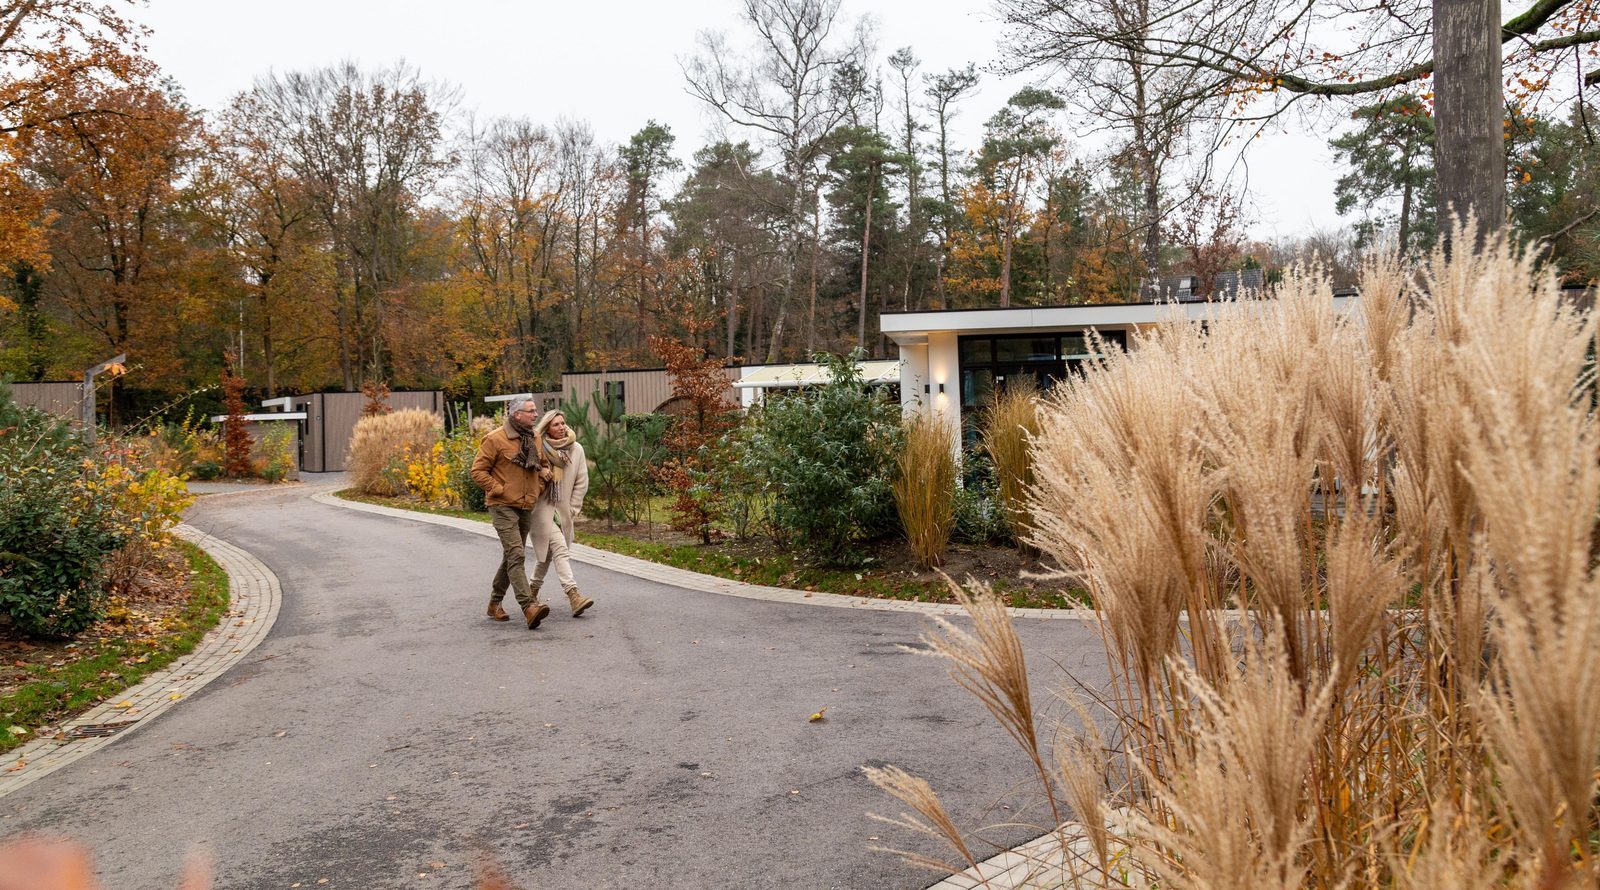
574 485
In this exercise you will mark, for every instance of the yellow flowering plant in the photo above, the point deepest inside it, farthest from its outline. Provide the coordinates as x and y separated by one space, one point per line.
428 474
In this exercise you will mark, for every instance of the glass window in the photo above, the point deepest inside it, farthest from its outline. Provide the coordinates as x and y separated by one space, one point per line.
1025 349
976 387
976 350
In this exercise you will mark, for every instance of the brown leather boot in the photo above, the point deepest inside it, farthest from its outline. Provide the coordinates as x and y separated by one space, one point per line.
579 602
535 614
497 612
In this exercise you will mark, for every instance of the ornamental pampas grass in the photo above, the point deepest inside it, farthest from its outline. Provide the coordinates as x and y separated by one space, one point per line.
1343 570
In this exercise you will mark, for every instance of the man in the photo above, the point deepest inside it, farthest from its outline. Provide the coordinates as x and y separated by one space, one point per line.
507 469
565 471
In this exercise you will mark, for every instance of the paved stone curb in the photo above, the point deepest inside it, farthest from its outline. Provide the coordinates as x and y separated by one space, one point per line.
665 574
252 609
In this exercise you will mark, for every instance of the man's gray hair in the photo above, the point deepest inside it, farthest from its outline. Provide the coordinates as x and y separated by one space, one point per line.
520 403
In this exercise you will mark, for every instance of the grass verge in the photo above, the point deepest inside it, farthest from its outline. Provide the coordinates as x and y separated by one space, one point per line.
769 569
63 690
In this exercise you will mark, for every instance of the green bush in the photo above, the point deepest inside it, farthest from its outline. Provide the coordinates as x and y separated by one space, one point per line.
830 454
57 529
980 515
278 452
743 479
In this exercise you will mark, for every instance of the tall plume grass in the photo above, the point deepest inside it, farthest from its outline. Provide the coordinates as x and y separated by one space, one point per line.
1344 575
925 487
1008 423
380 443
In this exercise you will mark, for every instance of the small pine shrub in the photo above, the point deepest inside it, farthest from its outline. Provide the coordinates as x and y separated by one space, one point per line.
379 445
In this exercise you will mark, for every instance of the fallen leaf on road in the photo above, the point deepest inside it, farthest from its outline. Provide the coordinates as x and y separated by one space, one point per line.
123 704
818 715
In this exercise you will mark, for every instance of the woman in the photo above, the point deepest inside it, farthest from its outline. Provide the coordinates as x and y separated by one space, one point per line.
565 470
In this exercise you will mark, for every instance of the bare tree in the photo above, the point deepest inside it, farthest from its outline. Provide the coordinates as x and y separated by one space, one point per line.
787 92
1249 60
1110 52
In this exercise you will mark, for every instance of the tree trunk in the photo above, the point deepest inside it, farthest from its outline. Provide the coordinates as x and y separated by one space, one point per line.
1405 199
733 302
816 251
866 244
1469 112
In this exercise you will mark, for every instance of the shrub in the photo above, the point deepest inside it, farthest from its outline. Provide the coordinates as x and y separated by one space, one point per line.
379 446
428 474
979 518
57 529
278 452
460 449
742 478
1346 586
145 500
830 454
925 487
1008 424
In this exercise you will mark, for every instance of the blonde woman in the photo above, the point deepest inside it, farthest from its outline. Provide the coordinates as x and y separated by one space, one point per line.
565 470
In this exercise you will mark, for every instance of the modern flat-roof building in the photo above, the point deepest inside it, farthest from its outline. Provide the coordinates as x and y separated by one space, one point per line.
953 360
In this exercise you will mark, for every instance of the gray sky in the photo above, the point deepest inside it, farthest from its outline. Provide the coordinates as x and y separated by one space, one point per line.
615 64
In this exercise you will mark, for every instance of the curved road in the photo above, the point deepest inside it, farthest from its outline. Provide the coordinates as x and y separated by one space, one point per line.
386 734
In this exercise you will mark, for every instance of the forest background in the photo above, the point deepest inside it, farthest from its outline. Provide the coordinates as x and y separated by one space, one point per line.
350 224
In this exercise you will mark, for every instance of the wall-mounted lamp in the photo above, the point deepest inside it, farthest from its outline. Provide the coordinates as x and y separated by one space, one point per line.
926 388
941 389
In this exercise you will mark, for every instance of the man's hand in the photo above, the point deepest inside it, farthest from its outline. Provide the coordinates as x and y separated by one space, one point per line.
546 474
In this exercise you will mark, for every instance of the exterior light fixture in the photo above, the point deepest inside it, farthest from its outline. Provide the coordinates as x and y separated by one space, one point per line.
926 388
941 389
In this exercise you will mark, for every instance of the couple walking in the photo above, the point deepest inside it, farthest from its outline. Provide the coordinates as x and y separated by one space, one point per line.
532 470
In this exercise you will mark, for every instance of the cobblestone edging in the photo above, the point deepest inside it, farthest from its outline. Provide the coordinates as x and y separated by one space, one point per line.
665 574
254 597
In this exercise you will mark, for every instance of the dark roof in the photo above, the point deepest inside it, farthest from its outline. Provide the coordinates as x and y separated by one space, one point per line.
1183 288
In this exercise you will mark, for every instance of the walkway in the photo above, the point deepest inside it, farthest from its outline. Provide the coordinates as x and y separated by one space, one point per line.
385 734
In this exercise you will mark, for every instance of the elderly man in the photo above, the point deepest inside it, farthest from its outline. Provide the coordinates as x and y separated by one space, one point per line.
507 468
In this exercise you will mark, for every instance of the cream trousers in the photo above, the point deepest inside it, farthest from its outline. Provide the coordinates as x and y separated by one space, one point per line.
544 520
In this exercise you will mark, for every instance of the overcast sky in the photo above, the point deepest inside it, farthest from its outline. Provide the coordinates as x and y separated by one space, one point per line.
615 64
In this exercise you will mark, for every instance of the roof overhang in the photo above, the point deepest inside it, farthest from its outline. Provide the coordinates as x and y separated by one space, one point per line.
811 374
913 328
275 415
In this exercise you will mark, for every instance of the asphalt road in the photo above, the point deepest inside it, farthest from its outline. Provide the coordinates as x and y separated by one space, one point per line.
386 734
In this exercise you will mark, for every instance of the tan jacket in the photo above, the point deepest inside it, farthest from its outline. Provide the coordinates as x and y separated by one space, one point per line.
504 483
574 485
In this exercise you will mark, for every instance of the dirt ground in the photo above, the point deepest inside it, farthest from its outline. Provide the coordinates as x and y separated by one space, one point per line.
136 613
1007 567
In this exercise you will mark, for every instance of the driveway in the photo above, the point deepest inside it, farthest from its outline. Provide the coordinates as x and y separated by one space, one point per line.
386 734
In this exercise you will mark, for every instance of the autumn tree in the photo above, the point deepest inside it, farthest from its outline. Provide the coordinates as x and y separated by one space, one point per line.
109 180
61 58
235 429
702 414
1016 143
1210 229
366 146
